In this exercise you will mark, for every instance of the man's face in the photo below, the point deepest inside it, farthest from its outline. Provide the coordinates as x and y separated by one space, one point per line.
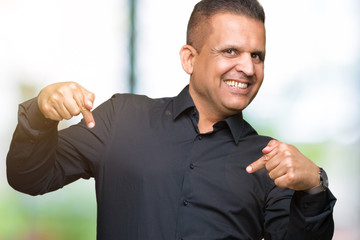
229 69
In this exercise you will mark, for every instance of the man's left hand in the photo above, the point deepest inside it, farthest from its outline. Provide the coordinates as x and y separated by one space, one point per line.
287 166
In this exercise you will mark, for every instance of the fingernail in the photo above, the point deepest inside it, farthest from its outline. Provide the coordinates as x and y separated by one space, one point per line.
249 169
89 103
267 148
91 125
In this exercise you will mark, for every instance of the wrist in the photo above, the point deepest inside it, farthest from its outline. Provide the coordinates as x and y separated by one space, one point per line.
324 183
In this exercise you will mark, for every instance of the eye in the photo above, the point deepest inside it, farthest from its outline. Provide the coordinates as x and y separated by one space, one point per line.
257 57
230 52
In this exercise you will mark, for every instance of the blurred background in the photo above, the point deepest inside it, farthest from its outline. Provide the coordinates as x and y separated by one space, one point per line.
310 96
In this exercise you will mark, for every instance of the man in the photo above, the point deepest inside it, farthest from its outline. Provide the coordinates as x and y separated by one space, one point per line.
187 167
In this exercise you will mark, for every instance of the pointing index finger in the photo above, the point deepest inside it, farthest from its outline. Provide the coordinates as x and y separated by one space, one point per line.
85 103
257 165
86 111
261 162
88 117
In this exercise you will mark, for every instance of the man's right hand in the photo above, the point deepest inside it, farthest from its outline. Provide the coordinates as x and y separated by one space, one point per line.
66 99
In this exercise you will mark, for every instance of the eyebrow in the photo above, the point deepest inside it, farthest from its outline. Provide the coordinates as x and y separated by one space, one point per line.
240 49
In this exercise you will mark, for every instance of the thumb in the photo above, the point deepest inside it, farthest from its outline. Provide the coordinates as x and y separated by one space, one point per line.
270 146
89 99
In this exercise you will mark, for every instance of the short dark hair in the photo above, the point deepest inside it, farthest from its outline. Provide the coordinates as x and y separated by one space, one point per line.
205 9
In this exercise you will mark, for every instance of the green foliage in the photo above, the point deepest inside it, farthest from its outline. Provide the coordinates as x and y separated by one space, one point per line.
63 215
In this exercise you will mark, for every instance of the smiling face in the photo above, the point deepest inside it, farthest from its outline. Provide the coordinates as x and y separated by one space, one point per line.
227 72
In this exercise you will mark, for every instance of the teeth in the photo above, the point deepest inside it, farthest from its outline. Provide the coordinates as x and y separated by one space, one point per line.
236 84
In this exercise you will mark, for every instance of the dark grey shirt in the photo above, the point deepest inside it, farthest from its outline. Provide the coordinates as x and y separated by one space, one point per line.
158 178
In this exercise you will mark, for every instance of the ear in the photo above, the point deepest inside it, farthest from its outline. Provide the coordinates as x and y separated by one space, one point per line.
187 56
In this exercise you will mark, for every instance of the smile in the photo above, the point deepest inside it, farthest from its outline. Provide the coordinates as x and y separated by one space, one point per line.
235 84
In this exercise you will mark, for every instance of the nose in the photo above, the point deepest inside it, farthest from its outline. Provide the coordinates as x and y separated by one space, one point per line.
245 64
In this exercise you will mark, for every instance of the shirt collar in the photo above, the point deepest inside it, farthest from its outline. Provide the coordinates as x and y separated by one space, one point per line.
238 127
182 102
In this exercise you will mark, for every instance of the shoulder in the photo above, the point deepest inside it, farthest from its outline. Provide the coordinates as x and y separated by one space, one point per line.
252 135
133 106
121 99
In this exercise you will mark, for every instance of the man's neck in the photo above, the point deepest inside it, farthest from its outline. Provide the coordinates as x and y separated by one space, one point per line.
208 116
205 126
207 119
